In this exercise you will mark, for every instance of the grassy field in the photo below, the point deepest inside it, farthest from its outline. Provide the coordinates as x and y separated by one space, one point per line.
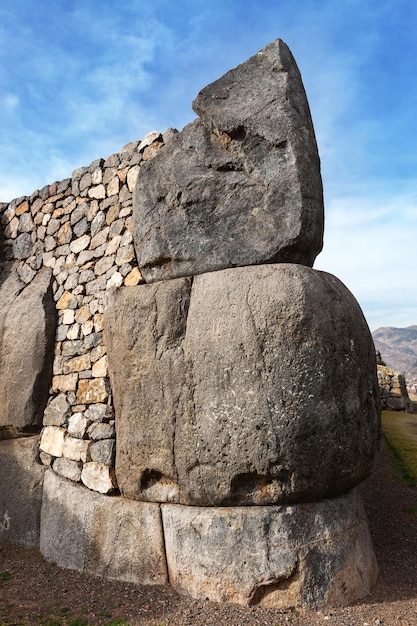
400 432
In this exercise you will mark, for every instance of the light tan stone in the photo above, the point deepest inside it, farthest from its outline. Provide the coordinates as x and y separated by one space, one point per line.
67 301
73 332
133 278
113 186
64 382
65 233
77 425
132 176
76 449
77 364
116 280
87 328
98 192
68 317
122 174
92 390
22 208
98 322
103 265
112 214
97 176
80 244
125 254
11 229
148 139
100 238
113 245
100 368
152 150
83 314
99 477
52 440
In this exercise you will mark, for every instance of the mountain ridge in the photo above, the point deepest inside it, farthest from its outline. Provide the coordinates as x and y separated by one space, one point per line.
398 348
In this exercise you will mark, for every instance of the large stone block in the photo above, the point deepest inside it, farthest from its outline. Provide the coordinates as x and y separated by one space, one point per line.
253 385
20 491
314 555
110 537
145 329
242 185
27 336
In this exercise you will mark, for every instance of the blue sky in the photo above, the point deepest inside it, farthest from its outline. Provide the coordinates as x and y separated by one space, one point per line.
80 78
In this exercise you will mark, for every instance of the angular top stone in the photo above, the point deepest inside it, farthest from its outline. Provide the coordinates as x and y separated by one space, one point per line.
241 185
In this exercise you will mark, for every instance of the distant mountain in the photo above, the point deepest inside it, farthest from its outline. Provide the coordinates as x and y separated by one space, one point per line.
398 348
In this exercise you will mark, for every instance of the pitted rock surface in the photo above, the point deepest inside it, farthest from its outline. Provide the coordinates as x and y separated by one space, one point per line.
242 185
317 554
27 335
263 390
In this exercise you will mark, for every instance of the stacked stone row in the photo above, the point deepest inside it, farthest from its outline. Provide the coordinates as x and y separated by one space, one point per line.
80 228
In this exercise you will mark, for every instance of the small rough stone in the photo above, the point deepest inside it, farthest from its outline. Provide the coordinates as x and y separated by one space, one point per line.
52 440
99 477
77 425
68 468
57 411
91 391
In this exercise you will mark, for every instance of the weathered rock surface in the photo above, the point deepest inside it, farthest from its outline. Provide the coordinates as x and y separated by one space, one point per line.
262 390
312 555
110 537
27 335
242 185
147 326
20 491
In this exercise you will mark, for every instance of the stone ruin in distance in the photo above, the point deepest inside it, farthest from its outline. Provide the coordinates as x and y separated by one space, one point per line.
183 398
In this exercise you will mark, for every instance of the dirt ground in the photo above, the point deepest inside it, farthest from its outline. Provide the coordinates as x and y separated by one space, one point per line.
39 593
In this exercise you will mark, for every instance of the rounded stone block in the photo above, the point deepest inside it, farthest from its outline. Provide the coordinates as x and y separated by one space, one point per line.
252 385
311 555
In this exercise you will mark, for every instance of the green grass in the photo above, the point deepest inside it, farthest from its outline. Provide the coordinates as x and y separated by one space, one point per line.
400 432
5 576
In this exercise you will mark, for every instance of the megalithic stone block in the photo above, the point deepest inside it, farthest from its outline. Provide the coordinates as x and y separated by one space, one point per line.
241 185
315 555
252 385
110 537
21 480
27 337
145 330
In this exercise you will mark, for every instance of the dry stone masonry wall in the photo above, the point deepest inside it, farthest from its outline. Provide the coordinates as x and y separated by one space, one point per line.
77 235
246 403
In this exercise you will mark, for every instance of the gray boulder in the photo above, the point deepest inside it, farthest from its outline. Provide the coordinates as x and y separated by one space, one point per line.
20 491
110 537
253 385
242 185
27 336
314 555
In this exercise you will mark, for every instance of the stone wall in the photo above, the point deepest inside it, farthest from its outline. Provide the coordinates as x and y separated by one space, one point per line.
246 404
393 390
80 228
